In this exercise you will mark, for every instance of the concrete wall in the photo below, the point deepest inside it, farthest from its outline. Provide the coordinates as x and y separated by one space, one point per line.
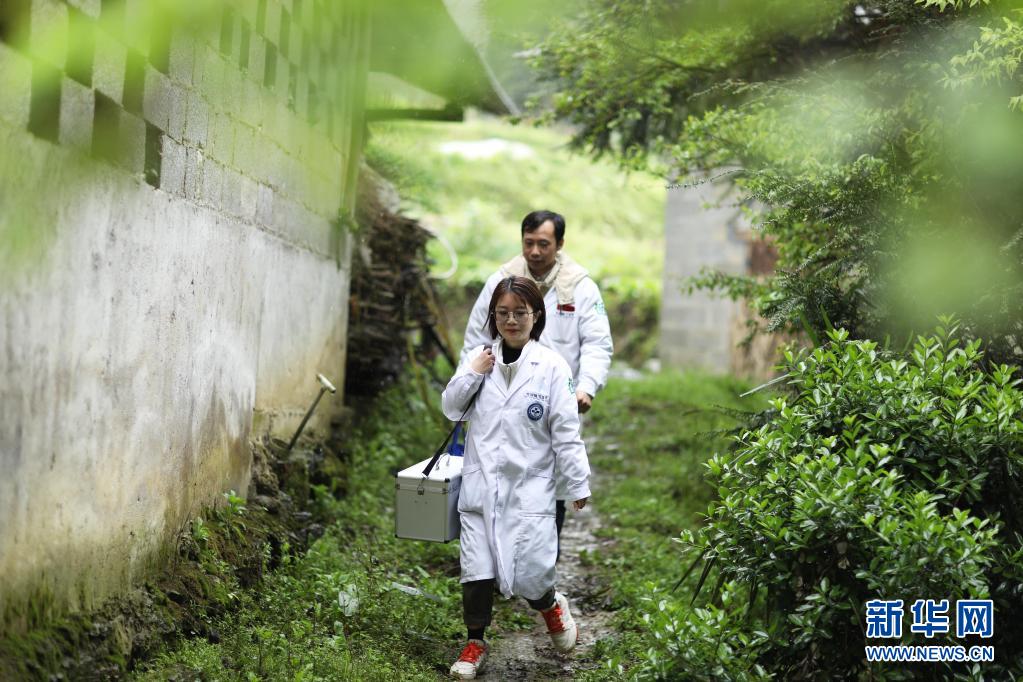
173 272
703 229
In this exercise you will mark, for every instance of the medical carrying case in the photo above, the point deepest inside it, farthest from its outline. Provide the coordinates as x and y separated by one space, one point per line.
426 493
426 506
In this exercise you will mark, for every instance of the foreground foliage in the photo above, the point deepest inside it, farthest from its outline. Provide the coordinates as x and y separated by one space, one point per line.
875 146
881 476
648 440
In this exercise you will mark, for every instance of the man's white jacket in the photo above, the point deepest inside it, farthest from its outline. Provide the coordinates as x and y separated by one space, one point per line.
578 331
521 436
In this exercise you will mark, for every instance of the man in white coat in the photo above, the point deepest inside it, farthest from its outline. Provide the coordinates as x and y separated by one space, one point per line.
577 325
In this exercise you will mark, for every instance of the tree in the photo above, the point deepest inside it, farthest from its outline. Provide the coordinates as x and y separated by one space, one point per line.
876 145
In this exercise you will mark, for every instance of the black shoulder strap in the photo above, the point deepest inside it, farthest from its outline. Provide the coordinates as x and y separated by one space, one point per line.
440 450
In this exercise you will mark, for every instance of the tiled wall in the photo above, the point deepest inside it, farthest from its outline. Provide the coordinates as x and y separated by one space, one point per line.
250 110
173 268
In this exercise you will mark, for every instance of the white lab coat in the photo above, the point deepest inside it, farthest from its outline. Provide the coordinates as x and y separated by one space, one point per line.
517 433
581 336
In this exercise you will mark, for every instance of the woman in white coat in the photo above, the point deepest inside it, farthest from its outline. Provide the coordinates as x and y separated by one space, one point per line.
523 422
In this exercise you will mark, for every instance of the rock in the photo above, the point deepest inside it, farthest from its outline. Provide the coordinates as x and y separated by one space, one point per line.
271 504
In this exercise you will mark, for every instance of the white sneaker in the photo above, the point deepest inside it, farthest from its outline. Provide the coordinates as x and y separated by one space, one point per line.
560 625
470 661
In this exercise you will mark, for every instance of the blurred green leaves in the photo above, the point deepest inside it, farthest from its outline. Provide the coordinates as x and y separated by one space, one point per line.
212 85
875 145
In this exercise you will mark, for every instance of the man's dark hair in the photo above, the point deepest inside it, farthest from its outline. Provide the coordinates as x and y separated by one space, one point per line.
538 218
530 295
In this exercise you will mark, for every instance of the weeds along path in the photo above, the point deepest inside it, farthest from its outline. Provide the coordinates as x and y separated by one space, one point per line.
361 604
527 654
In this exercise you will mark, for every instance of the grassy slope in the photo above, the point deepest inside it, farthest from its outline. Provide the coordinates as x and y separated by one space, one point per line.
615 221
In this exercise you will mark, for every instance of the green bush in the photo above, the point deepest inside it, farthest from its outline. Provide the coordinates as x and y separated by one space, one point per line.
878 155
704 643
881 476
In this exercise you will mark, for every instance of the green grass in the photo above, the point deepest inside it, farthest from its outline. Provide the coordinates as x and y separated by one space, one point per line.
615 222
650 438
292 627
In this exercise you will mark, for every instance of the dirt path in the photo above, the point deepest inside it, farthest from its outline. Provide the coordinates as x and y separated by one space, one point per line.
528 654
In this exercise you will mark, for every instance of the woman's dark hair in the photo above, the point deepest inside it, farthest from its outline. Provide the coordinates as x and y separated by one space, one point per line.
530 295
537 218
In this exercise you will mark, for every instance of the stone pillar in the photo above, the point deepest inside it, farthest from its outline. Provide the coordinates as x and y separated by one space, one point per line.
704 229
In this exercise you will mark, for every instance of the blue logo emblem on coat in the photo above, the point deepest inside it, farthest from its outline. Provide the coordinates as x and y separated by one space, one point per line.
535 412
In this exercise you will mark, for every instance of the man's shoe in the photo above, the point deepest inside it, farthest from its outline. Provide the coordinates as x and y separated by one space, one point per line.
560 625
470 661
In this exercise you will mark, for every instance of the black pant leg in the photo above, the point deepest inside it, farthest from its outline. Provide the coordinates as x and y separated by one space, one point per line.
478 602
559 521
544 602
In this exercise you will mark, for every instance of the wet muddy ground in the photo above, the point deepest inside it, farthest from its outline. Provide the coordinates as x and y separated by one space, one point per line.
528 654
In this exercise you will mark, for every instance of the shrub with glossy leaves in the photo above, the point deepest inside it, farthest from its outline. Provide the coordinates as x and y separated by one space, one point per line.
881 476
